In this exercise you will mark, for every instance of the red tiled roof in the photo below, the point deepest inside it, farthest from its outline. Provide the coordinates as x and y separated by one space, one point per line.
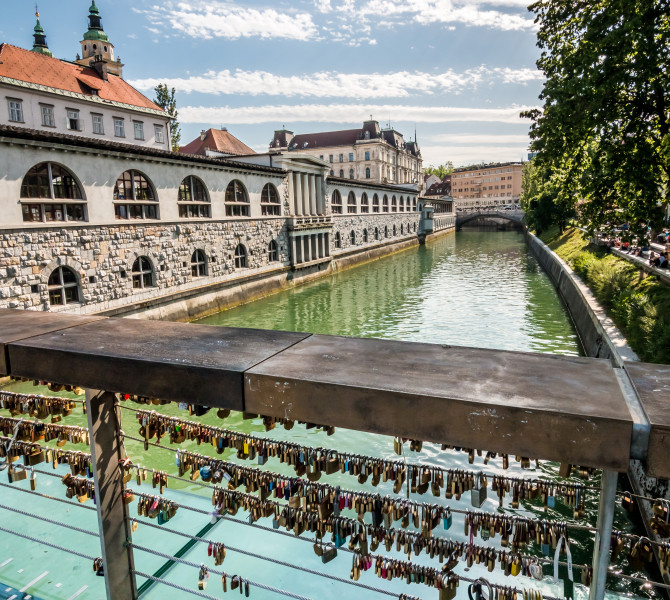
346 137
32 67
217 140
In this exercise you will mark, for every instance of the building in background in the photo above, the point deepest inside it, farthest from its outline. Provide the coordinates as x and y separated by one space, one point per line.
367 154
216 142
487 186
86 98
440 188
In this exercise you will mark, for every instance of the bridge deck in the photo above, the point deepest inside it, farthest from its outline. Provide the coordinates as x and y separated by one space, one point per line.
535 405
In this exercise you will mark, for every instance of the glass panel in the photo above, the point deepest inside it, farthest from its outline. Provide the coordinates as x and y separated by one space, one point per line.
71 294
56 297
32 212
68 275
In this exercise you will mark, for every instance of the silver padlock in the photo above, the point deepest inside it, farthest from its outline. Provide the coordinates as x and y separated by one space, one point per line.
478 491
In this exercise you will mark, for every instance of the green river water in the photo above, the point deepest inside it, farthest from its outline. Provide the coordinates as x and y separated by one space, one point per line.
472 288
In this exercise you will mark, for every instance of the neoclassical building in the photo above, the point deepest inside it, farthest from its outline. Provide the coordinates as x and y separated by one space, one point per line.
369 153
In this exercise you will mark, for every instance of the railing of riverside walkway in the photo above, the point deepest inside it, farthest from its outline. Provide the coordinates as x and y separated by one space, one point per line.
577 411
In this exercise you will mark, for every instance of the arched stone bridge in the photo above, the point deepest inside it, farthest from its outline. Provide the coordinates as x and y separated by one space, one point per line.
516 216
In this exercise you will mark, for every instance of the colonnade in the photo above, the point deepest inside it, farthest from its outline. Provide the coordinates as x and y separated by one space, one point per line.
310 246
306 194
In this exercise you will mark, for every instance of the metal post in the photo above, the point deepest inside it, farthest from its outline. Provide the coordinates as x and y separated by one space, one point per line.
601 546
104 426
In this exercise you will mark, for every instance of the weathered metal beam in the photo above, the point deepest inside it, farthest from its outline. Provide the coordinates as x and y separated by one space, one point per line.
117 555
601 545
172 361
20 324
652 385
559 408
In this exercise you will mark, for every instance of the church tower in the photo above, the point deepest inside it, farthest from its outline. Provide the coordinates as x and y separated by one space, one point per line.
40 45
96 47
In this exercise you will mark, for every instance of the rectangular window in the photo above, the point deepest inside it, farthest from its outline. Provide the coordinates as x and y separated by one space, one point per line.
119 127
98 126
73 120
330 157
341 157
48 119
367 155
351 157
139 130
158 134
16 111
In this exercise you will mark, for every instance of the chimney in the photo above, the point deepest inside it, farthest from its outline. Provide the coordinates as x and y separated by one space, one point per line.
203 134
100 66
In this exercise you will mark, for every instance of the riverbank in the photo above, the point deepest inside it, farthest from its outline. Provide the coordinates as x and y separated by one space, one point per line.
638 303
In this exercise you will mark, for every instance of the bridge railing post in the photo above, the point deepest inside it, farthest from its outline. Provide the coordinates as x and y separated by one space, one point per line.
104 424
601 545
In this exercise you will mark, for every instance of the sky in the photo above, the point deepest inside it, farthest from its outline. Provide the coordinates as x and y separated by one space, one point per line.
456 72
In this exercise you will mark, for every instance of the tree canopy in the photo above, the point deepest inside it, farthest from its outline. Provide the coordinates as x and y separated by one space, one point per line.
166 100
440 171
602 135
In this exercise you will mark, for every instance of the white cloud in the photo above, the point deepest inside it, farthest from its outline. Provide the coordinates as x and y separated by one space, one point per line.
465 155
347 113
329 84
479 139
228 20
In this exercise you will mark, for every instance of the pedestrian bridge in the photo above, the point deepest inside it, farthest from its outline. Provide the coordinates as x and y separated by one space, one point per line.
515 216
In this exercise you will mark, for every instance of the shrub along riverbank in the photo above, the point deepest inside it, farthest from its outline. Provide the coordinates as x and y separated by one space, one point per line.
638 303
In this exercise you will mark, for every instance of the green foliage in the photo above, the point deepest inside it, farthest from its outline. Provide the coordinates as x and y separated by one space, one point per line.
602 136
441 170
166 100
639 305
543 199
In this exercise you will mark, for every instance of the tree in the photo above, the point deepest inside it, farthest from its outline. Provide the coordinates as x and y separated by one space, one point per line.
166 100
603 129
440 171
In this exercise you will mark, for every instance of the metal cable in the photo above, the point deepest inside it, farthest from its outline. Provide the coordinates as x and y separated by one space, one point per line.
344 491
276 561
216 572
34 516
385 461
47 497
181 588
44 543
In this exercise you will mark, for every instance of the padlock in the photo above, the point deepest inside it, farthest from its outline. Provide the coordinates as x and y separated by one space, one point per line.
478 493
447 519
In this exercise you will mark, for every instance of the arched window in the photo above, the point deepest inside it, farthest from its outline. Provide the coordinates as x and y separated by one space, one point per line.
414 204
401 206
415 227
394 231
394 204
198 264
332 173
365 203
375 203
193 198
273 251
237 201
63 286
336 203
134 197
351 173
386 231
338 240
367 172
351 203
365 236
59 194
240 257
342 173
270 204
143 273
376 233
352 237
385 204
402 229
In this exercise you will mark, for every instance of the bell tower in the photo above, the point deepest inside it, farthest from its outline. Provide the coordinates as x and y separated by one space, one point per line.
96 47
40 45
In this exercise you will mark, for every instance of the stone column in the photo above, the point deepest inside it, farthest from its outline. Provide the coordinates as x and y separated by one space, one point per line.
295 246
291 197
315 249
305 194
312 195
297 189
319 244
306 248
